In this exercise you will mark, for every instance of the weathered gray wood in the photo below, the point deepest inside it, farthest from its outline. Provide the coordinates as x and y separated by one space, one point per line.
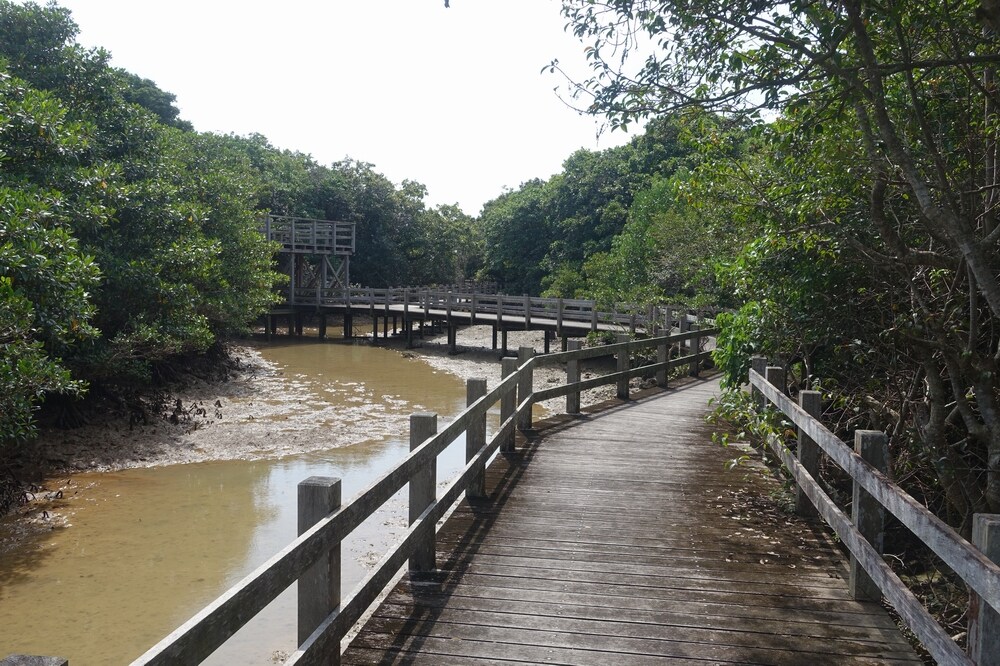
623 358
776 377
525 386
695 348
612 378
662 356
326 639
475 437
807 451
867 513
29 660
319 586
981 574
497 597
508 368
924 626
573 376
984 622
423 486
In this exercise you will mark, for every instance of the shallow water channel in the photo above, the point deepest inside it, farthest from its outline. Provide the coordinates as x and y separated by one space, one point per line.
147 548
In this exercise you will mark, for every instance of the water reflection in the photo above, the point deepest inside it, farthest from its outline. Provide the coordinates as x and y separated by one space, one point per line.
147 548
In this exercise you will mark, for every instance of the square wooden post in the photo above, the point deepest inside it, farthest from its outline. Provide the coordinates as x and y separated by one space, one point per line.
423 488
525 386
867 513
623 364
807 451
319 586
759 365
984 621
475 436
573 376
508 402
662 356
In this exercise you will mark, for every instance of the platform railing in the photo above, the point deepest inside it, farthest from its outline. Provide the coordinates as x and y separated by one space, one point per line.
874 494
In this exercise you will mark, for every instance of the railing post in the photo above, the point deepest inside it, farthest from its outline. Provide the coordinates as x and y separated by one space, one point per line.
319 586
759 365
559 317
475 436
623 364
775 375
525 386
662 356
423 485
684 325
695 350
527 312
867 513
573 376
984 622
807 451
508 402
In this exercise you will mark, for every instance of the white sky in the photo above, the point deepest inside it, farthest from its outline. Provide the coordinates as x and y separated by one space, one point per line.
452 98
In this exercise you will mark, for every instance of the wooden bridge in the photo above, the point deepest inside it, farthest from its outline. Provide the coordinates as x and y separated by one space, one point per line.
315 254
615 535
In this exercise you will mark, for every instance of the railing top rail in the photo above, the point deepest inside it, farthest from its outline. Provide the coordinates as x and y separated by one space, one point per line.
978 571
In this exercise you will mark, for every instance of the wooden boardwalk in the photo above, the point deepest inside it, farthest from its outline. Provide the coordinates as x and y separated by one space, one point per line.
622 539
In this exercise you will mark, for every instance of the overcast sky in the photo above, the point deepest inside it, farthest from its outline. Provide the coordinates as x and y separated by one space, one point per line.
452 98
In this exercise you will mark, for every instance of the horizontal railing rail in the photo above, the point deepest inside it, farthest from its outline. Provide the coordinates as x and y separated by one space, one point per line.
861 532
320 641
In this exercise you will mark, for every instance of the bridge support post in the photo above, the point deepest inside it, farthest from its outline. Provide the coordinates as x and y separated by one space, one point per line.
573 376
525 386
322 327
408 328
319 586
623 363
984 622
475 436
423 485
348 325
503 342
508 402
867 513
807 451
494 337
548 340
298 324
452 339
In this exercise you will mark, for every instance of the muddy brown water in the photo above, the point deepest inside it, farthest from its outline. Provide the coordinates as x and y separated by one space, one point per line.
144 549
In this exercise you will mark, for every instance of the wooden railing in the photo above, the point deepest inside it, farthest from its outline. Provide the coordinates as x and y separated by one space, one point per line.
874 493
428 302
306 235
314 558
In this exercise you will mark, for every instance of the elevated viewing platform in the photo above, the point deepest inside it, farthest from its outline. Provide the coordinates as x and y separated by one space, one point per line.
308 236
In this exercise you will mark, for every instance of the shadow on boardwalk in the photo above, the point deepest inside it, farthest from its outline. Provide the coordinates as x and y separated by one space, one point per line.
619 537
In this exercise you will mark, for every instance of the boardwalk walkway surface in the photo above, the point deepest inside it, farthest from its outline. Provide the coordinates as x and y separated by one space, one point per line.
623 539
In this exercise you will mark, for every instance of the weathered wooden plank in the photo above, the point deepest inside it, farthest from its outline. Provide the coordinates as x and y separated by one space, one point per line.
448 621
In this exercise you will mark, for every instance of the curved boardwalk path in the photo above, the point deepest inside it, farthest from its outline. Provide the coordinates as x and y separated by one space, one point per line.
622 539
